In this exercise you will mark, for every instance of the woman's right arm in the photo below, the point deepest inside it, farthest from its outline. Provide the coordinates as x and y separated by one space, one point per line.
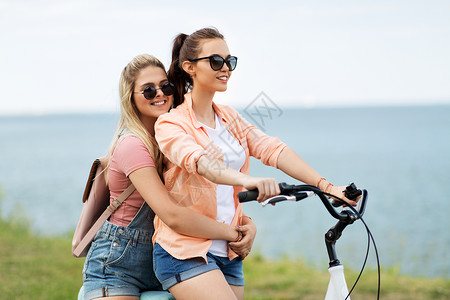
216 171
180 219
182 149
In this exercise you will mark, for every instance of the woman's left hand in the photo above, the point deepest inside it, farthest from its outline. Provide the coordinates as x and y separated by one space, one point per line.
339 192
244 246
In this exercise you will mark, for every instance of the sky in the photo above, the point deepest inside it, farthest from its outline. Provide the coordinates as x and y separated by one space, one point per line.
66 56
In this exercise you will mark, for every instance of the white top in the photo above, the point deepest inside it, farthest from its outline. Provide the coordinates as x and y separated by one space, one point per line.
233 157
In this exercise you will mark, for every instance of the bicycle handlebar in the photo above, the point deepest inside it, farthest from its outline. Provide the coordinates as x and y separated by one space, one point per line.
298 192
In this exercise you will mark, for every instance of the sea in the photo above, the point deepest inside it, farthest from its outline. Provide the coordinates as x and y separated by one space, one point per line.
400 155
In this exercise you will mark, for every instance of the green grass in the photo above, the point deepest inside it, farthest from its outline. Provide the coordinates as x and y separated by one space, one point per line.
294 279
36 267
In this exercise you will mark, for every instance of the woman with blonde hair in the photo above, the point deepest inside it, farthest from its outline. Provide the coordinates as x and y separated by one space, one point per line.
119 264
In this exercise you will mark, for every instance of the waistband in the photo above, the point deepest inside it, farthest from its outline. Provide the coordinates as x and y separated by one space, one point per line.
110 231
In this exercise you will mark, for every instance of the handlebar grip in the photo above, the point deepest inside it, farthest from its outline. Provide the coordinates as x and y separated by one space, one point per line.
251 195
336 203
248 195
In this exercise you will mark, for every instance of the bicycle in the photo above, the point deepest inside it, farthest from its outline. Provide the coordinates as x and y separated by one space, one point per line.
337 286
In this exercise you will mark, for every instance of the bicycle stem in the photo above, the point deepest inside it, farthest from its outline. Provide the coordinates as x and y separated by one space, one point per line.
332 235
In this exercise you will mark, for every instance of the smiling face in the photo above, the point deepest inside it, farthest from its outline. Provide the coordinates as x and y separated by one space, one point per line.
150 110
204 77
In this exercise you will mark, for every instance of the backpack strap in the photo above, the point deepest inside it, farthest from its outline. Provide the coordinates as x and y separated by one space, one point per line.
87 239
119 200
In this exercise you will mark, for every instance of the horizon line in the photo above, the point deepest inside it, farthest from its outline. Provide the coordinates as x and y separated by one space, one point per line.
37 113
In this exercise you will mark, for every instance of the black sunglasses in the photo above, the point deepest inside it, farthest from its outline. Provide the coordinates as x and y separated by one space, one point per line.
150 91
216 61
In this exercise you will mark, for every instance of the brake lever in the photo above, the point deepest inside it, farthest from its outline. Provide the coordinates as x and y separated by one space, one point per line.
295 197
277 198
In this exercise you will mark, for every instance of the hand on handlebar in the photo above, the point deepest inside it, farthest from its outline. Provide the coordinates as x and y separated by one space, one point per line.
299 192
267 187
339 191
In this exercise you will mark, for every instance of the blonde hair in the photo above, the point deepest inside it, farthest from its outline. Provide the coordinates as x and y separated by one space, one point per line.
130 122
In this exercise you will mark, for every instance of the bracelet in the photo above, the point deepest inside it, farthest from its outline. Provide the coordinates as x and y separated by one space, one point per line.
320 180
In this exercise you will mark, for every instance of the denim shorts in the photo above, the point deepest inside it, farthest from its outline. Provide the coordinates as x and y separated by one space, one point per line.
171 271
119 262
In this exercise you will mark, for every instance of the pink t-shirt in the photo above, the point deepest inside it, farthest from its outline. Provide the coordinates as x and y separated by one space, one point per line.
129 155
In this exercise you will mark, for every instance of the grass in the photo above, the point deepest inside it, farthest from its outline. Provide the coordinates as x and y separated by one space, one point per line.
36 267
294 279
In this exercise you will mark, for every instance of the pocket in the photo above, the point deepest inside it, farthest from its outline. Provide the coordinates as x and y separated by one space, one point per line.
118 251
187 191
196 193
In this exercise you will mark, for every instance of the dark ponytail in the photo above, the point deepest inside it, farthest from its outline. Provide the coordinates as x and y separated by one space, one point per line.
176 74
187 47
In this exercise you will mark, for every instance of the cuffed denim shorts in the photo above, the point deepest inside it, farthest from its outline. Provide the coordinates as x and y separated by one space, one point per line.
171 271
119 262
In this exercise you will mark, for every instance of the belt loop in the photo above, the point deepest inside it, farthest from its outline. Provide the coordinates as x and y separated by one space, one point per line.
136 238
178 277
108 230
105 291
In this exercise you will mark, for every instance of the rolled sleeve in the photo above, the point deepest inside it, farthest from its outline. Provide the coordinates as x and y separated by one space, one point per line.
264 147
177 145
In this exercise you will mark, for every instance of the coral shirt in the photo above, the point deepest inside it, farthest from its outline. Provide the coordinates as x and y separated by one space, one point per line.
183 140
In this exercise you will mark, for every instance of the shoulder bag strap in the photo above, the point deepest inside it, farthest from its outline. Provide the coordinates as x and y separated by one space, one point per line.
87 239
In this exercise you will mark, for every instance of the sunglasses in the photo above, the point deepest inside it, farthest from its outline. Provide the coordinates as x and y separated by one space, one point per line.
150 92
216 61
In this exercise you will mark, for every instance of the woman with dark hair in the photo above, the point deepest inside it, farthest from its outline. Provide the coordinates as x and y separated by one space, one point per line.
207 149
